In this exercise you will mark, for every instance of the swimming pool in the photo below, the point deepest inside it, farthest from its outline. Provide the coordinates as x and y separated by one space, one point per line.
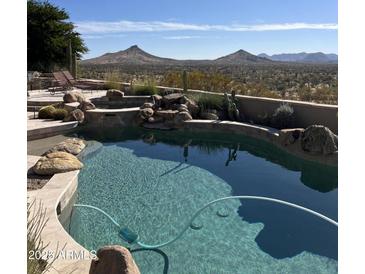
152 182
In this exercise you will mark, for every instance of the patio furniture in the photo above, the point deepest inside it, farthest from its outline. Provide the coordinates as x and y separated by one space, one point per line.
65 82
74 82
62 83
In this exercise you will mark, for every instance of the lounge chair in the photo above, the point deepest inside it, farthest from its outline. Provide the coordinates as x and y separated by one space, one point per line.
65 82
73 82
62 83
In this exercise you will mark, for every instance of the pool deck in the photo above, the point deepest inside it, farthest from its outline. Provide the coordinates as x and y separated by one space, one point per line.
40 98
41 128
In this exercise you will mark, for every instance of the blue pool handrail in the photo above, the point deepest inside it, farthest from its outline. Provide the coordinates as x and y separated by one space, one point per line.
124 232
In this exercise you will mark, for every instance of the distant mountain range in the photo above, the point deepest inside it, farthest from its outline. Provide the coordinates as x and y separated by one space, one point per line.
303 57
136 56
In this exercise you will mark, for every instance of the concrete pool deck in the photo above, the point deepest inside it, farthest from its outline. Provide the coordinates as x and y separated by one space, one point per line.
41 128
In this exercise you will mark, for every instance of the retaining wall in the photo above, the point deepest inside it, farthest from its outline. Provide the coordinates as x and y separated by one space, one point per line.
111 118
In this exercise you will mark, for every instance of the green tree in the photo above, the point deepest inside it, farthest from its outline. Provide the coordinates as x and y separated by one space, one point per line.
49 34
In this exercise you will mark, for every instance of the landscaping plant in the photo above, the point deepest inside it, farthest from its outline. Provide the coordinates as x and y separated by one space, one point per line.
36 221
46 112
60 114
283 117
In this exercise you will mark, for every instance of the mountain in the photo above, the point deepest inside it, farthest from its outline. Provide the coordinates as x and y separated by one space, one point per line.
136 56
241 57
303 57
131 56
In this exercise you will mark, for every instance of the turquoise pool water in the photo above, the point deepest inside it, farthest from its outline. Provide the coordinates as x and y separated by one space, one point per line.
152 182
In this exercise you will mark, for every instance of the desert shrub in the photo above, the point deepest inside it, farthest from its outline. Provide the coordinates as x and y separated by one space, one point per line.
36 221
147 89
60 114
112 80
283 117
209 101
46 112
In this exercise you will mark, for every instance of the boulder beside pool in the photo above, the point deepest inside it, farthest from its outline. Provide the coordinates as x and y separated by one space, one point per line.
71 145
319 139
113 259
73 96
57 162
75 115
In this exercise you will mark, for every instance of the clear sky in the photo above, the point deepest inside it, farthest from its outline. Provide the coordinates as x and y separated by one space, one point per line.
205 29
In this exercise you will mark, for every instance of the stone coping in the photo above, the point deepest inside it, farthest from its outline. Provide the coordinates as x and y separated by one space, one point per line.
56 197
267 134
125 97
110 110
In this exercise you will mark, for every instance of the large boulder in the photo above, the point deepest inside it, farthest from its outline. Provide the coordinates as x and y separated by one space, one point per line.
181 117
113 259
319 139
290 136
182 108
157 100
73 96
86 105
114 94
71 145
56 162
147 105
192 107
167 114
173 98
75 115
146 113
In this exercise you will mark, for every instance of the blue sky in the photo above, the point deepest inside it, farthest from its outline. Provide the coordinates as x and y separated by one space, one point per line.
204 29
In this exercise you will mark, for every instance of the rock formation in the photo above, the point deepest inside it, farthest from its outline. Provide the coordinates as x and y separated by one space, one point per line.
114 94
73 96
86 105
56 162
167 112
75 115
71 145
113 260
319 139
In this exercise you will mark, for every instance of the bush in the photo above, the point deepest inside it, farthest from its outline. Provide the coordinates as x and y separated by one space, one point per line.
36 221
112 81
46 112
60 114
206 101
283 117
148 89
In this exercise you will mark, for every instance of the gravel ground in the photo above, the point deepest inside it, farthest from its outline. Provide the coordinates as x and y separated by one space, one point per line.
35 182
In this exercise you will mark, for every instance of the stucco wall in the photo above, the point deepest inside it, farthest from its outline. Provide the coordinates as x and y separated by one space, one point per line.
306 114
